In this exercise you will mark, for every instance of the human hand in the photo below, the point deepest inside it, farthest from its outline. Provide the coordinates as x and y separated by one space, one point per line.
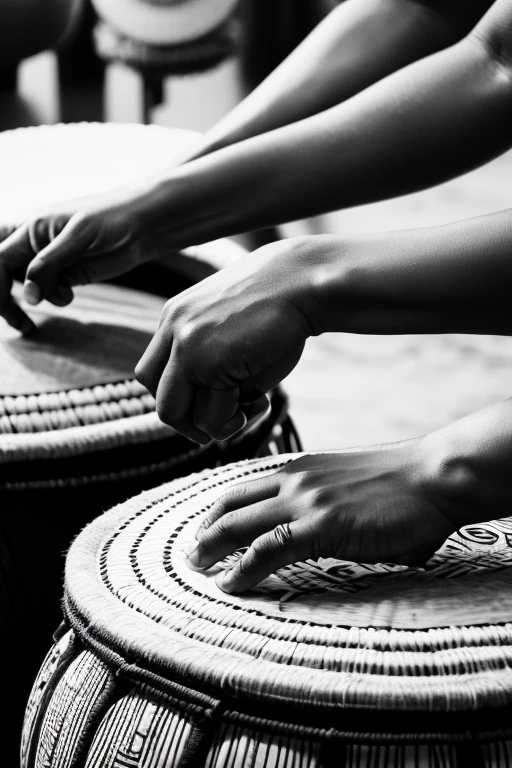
85 241
368 505
220 343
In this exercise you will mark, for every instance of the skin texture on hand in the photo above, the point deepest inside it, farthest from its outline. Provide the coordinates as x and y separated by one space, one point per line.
235 334
365 505
390 503
334 62
86 241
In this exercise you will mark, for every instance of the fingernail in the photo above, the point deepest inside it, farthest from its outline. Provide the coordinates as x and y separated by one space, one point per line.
27 327
193 556
226 580
32 292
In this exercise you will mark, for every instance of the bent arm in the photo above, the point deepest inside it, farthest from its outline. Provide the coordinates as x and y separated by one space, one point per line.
425 124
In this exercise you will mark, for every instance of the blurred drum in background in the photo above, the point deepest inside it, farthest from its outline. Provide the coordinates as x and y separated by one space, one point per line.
165 22
323 665
57 163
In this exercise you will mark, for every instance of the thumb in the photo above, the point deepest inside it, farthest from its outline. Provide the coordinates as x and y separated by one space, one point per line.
44 270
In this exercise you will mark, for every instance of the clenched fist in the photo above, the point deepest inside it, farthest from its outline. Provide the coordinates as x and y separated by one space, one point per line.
229 340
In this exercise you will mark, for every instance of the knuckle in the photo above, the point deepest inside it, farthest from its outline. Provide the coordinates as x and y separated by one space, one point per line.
296 483
318 497
140 373
163 413
37 268
220 508
281 536
225 529
275 540
169 310
185 332
222 526
38 233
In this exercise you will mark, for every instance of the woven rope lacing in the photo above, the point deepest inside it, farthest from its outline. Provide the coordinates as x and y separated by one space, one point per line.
73 408
149 601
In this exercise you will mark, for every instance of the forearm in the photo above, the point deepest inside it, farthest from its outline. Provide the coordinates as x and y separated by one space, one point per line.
359 43
469 465
455 278
427 123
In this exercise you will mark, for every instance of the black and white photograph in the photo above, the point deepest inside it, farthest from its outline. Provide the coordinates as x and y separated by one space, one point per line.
256 383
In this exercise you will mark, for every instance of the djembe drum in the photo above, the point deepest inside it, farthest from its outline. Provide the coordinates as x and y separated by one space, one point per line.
78 434
328 664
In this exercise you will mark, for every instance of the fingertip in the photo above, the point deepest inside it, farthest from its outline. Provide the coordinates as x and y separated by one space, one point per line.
200 437
61 296
226 581
32 292
193 557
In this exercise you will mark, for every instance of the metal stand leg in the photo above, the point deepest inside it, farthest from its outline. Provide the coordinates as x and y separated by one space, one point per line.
153 96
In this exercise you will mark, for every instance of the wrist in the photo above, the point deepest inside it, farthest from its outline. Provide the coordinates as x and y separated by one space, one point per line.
453 479
329 287
178 209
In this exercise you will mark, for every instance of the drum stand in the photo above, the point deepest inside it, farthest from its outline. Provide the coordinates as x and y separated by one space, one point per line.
154 63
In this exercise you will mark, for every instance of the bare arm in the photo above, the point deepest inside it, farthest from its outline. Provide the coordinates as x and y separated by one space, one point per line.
425 124
359 43
455 278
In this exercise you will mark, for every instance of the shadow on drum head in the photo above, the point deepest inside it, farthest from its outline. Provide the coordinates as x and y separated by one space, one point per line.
65 353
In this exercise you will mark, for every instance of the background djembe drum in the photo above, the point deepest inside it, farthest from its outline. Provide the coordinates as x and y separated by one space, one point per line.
163 38
324 665
77 432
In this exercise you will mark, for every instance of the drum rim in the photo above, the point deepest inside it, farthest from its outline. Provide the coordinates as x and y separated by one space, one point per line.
166 25
94 458
98 435
239 674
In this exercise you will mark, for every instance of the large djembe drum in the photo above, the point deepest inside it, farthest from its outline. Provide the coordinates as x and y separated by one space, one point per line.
77 434
326 664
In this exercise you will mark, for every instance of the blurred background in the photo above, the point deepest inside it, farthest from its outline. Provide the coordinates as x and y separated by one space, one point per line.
67 61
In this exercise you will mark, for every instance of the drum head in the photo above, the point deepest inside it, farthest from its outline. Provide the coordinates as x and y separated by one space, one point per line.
98 338
317 636
54 164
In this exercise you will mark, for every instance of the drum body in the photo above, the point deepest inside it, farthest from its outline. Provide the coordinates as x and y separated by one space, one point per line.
77 435
323 664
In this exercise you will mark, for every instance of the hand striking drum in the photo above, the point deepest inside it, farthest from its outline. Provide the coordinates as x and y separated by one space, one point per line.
324 665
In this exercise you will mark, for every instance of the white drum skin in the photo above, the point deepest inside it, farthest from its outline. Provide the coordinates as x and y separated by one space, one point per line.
164 23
